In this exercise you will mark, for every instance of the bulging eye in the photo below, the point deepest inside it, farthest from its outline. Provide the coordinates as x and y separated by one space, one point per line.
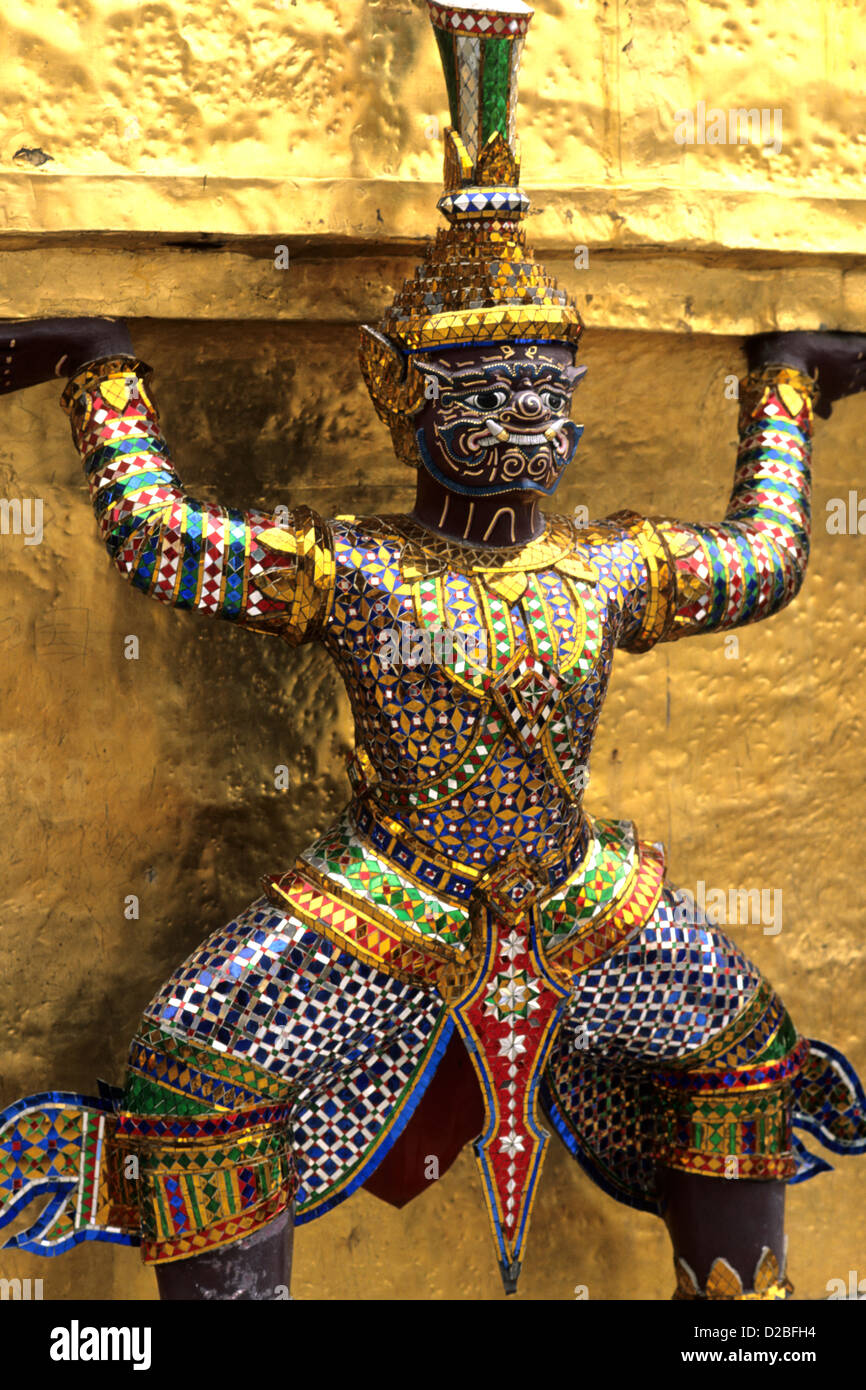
554 400
487 400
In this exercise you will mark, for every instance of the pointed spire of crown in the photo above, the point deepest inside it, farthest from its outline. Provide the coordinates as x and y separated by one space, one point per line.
480 47
479 282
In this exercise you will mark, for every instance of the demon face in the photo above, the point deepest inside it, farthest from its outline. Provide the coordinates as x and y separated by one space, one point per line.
496 419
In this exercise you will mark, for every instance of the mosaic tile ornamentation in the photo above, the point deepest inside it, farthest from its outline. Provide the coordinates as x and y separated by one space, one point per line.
466 892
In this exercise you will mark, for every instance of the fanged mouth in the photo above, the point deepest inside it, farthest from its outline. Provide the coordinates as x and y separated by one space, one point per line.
495 433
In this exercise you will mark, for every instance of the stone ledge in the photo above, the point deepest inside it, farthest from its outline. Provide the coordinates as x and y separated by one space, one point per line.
626 215
651 291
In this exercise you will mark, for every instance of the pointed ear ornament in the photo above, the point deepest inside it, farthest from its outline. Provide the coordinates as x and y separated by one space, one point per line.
396 388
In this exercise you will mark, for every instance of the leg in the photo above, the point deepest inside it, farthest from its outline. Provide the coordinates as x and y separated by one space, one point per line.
672 1082
270 1057
259 1267
713 1218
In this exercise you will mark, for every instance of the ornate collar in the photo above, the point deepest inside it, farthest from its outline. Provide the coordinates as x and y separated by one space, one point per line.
425 554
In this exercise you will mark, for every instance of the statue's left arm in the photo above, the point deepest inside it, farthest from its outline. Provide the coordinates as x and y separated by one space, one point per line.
694 578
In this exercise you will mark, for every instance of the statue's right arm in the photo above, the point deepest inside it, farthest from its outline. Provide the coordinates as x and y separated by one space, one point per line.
272 574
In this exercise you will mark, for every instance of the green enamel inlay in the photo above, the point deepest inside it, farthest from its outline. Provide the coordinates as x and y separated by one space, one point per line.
145 1097
495 81
780 1045
606 866
193 1203
368 876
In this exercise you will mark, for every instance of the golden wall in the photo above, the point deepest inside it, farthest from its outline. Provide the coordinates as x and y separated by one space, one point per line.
186 141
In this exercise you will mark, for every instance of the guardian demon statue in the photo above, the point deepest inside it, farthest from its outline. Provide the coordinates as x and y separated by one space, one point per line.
467 949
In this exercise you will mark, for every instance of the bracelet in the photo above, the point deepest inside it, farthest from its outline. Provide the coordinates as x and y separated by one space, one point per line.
90 374
794 388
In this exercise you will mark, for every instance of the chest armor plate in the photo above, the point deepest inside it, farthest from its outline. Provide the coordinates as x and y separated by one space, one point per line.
525 645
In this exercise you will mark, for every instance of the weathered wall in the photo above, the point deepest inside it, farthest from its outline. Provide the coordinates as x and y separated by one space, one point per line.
155 776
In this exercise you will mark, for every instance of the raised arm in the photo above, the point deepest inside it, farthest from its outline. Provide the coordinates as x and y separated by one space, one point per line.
689 578
272 573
